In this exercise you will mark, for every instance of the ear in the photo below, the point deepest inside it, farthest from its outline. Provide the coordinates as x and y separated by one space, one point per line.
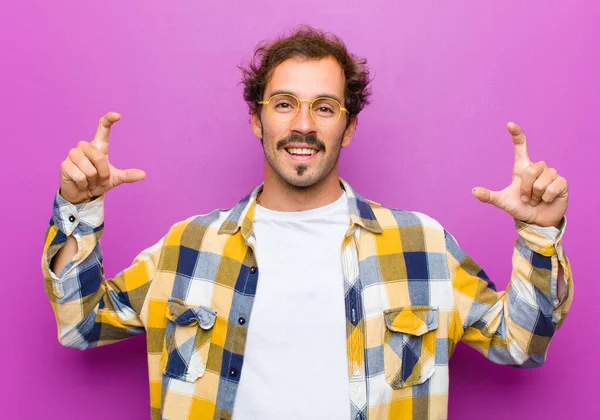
349 132
256 124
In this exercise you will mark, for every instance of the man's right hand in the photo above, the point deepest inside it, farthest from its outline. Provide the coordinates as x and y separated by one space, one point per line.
86 172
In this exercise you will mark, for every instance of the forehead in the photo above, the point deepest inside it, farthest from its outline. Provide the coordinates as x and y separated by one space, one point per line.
307 78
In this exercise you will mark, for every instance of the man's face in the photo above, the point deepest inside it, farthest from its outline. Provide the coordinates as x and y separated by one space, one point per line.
305 79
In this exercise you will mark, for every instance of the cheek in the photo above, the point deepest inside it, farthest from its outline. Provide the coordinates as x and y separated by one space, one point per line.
273 132
333 138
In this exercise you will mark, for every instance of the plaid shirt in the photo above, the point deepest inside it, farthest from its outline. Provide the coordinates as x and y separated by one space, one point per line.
411 295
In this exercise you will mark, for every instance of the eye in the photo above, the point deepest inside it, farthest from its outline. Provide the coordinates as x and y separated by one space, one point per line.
283 104
324 109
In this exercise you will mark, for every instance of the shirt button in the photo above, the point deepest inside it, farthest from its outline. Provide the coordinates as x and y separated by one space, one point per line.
241 321
71 218
233 372
252 270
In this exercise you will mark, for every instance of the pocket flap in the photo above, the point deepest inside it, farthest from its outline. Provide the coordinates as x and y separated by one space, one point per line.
413 320
183 314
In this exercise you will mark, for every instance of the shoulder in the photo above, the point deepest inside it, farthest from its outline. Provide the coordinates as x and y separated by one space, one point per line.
389 217
197 226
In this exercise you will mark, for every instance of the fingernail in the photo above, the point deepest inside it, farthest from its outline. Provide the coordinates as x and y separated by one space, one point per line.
524 199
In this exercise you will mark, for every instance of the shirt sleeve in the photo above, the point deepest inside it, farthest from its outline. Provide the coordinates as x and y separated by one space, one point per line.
512 327
91 310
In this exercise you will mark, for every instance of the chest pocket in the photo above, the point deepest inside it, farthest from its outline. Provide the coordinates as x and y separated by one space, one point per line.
409 345
187 340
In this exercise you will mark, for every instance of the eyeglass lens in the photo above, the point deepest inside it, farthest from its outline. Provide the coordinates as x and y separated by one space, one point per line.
283 108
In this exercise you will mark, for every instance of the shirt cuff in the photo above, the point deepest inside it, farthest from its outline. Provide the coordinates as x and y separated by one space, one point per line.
545 240
78 219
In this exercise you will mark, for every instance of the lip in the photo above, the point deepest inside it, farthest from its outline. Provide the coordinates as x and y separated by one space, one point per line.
299 158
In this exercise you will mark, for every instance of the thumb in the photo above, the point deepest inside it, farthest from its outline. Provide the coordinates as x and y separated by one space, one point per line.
487 196
128 176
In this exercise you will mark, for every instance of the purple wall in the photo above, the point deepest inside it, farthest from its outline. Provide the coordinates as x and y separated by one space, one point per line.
447 79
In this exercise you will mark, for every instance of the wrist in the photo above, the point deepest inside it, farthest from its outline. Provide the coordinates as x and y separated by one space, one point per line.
74 201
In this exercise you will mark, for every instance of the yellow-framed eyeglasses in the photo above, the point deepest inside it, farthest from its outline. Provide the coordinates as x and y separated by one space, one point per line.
283 108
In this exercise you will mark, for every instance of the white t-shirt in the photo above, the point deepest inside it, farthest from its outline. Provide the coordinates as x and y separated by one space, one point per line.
295 361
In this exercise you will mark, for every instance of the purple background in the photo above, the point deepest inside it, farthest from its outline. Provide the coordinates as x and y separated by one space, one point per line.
447 79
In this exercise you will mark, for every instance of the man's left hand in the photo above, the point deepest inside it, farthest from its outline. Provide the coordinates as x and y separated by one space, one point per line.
537 193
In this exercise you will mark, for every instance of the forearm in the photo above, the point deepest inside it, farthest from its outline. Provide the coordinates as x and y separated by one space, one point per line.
90 310
561 286
64 255
521 327
514 327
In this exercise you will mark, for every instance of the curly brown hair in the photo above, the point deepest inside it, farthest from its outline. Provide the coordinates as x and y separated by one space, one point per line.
313 44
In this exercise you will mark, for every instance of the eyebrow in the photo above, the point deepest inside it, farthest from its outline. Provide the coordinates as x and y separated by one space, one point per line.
322 95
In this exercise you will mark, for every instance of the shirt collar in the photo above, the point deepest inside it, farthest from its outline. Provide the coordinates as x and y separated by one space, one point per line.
242 215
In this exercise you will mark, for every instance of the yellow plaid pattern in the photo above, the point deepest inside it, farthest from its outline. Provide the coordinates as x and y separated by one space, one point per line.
411 295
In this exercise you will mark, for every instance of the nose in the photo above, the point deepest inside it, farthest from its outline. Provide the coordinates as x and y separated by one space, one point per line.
303 122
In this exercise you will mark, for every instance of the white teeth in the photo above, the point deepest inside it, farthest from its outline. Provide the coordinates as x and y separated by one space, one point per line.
296 151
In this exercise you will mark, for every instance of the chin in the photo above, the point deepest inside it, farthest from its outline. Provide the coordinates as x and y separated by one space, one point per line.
300 181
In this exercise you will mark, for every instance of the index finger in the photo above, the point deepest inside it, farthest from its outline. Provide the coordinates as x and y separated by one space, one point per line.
520 142
103 131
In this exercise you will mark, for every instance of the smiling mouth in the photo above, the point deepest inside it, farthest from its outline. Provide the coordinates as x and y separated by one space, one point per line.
294 151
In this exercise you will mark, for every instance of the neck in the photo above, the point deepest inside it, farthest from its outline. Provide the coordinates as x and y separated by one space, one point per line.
279 195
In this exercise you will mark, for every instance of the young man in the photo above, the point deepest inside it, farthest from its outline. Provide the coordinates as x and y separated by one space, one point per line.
305 300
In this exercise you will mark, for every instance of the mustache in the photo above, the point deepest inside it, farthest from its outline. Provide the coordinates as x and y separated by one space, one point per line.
310 139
